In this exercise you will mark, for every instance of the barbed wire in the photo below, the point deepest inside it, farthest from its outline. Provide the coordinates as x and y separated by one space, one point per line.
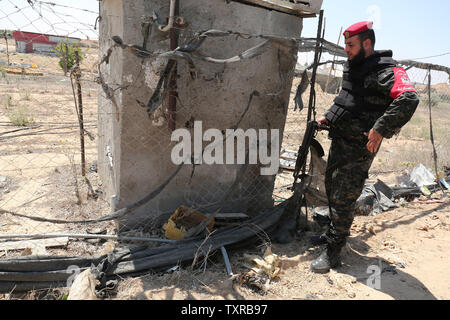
435 56
60 5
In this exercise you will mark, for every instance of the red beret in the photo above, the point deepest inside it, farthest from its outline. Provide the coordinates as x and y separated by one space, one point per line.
358 28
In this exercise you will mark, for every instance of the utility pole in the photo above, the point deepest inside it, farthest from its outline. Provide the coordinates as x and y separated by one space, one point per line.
315 66
5 35
80 113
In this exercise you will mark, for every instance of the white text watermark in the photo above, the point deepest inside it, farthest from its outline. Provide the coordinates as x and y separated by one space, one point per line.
227 147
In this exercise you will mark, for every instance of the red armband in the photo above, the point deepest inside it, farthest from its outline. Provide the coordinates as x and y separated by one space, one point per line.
402 83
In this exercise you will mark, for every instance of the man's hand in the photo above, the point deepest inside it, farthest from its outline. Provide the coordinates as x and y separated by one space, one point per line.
374 140
323 122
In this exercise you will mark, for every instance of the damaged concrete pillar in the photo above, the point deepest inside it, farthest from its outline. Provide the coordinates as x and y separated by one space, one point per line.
134 149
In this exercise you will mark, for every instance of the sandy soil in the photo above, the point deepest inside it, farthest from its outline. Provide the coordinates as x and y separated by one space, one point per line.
408 245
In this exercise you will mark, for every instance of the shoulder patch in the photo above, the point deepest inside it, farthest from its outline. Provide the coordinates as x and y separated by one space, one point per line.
402 83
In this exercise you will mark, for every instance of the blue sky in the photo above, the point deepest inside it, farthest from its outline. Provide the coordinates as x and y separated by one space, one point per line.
410 28
62 19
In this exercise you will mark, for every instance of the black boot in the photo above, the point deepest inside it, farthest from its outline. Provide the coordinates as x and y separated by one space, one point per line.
318 240
330 258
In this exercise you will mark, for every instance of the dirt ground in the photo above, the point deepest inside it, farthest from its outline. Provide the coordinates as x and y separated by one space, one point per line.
409 246
40 162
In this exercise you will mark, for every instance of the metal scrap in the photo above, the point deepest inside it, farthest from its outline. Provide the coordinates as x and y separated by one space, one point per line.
182 221
375 198
300 90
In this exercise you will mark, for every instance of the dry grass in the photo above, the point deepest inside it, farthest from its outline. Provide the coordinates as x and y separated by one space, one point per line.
6 101
415 139
25 94
21 116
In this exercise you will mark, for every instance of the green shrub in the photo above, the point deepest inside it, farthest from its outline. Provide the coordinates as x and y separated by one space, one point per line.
66 53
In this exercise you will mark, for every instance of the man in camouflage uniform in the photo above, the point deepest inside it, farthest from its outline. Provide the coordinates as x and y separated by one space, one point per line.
376 100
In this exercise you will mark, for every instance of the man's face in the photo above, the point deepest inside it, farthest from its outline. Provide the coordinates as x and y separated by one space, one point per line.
352 47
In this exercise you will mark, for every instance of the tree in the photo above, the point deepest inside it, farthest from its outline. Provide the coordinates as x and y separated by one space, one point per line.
66 53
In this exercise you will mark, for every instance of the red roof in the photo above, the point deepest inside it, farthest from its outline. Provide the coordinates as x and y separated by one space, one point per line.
34 37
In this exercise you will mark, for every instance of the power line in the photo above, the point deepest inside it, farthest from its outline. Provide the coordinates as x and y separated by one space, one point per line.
439 55
60 5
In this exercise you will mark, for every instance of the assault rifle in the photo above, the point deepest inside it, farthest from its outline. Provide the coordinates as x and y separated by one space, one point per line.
308 139
298 187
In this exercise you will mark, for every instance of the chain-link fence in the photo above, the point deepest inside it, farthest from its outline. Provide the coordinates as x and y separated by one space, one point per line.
44 184
40 135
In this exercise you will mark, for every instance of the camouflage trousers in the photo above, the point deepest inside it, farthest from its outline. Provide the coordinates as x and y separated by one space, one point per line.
347 169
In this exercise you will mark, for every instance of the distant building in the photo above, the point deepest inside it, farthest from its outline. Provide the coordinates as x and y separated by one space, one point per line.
29 42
